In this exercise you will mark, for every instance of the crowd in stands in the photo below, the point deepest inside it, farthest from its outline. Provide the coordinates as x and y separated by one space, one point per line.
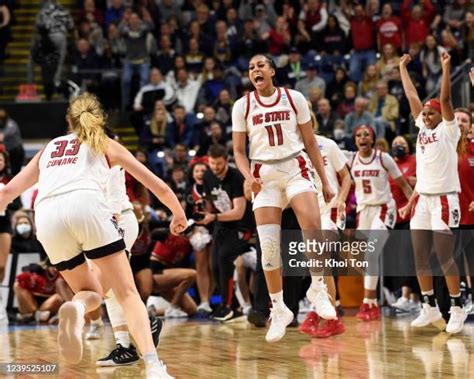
178 66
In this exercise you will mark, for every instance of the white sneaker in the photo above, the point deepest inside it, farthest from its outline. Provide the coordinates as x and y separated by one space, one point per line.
204 307
279 320
320 299
3 315
456 320
157 371
71 322
173 312
246 309
415 306
402 304
429 315
95 332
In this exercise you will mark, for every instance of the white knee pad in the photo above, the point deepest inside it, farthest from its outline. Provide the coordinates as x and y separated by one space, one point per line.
114 310
269 236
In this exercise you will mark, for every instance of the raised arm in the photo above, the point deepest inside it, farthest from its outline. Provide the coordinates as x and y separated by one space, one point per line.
447 110
118 155
410 91
21 182
471 75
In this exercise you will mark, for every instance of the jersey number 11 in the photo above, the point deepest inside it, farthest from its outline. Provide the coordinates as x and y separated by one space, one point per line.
271 134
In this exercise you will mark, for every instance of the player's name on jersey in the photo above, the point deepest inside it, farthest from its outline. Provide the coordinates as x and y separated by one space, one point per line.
61 162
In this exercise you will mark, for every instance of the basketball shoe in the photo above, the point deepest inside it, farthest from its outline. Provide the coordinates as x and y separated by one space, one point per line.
120 356
318 295
368 313
157 371
310 323
330 328
456 320
71 323
279 319
430 315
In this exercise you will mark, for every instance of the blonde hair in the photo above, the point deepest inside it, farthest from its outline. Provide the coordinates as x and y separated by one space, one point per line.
313 117
87 119
156 128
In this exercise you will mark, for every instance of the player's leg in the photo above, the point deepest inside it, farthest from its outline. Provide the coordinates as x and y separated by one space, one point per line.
203 278
5 244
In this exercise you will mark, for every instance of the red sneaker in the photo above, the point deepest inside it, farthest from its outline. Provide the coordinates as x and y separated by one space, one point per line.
374 313
330 328
310 324
364 312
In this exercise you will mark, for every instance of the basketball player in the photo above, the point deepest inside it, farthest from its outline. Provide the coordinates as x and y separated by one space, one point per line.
74 220
436 209
332 219
278 124
376 209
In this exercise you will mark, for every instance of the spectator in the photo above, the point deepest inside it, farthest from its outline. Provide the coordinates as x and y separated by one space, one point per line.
171 77
194 58
204 20
211 88
223 45
343 140
5 21
417 21
362 32
311 80
169 8
312 20
234 24
114 13
178 183
86 59
385 109
91 13
314 95
181 129
326 118
360 116
366 87
293 70
223 107
134 31
430 60
178 158
289 14
389 29
333 40
347 104
382 145
265 18
335 88
186 90
215 136
117 45
279 37
153 136
205 41
10 136
467 33
388 61
454 15
164 57
156 89
92 32
248 44
55 21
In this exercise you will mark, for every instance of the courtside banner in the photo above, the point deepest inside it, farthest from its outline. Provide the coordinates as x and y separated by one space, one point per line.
377 252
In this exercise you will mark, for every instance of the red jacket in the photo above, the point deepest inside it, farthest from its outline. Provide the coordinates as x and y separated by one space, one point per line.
466 177
362 32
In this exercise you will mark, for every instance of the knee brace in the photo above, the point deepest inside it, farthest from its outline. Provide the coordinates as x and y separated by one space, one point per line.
270 236
114 310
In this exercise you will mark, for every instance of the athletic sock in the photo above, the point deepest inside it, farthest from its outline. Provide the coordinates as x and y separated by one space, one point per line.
429 298
456 300
277 300
150 358
122 338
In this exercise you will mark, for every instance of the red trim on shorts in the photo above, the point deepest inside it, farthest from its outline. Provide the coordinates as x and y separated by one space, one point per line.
230 293
290 100
247 110
108 160
383 212
256 170
303 168
269 105
444 209
357 219
334 214
413 209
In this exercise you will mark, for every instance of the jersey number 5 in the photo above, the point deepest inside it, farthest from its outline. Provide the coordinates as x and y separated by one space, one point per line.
271 134
366 185
61 148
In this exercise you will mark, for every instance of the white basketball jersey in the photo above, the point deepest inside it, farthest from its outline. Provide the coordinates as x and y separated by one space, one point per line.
334 161
66 165
371 178
436 158
272 128
117 192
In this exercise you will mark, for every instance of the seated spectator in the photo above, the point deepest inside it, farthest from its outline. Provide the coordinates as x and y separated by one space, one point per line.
170 281
215 136
114 13
223 107
86 59
153 136
335 88
417 21
367 85
92 32
311 80
135 32
333 40
205 41
177 158
431 63
278 38
169 8
211 88
314 95
186 90
347 103
171 76
382 145
326 118
178 183
293 70
181 128
389 29
156 89
194 58
164 57
358 117
10 137
388 61
385 109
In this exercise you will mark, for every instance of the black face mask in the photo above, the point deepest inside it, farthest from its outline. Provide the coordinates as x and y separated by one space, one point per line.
398 151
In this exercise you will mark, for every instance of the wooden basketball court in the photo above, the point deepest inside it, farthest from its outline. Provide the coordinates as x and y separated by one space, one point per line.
193 349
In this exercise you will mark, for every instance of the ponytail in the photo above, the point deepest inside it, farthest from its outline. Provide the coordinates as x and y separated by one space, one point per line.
87 119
